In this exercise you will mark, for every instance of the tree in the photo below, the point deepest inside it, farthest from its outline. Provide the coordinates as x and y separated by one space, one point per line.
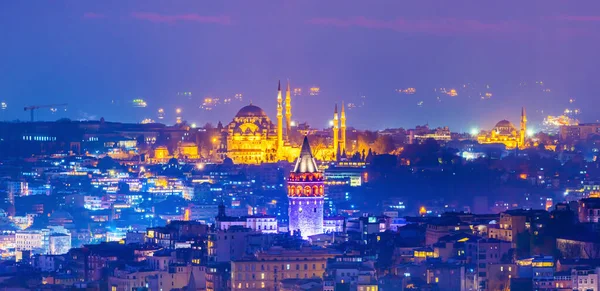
106 163
383 144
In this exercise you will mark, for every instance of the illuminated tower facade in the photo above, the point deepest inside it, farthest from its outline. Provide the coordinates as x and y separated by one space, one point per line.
336 141
288 111
279 120
343 129
523 128
305 194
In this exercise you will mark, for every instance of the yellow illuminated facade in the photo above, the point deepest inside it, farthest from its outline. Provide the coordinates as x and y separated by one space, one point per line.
268 267
507 134
161 153
188 150
253 139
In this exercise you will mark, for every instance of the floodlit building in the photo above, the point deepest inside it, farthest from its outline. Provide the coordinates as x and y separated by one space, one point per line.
269 267
506 133
252 138
306 194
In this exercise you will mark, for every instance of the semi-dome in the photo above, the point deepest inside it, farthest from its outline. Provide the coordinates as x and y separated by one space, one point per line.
251 111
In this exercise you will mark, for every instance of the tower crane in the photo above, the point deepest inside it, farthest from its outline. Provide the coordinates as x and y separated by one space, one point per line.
32 108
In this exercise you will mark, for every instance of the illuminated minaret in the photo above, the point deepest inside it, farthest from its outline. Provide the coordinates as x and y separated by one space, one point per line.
523 127
336 125
343 128
288 112
279 120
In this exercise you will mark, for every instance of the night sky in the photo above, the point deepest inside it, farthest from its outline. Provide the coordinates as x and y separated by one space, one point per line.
99 55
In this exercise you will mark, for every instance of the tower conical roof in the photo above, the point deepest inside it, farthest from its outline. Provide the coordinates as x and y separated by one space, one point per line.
306 162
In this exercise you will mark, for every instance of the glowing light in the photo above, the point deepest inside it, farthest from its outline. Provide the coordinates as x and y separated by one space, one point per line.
474 131
139 103
193 125
293 123
330 122
530 132
314 91
178 110
200 166
423 210
214 139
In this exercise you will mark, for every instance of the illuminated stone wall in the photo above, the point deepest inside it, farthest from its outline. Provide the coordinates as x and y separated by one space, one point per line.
306 215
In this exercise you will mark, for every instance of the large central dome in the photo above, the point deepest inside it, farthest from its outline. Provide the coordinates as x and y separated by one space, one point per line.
504 127
251 111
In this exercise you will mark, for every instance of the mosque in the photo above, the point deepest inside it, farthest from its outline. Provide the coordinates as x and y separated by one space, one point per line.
252 138
506 133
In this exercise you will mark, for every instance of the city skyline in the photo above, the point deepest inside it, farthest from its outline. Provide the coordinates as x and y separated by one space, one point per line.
112 54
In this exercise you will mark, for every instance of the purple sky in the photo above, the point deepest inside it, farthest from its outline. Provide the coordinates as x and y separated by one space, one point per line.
98 56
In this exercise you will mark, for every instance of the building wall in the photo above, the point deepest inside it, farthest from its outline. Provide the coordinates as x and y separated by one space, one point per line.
585 279
263 275
59 244
306 215
29 240
228 245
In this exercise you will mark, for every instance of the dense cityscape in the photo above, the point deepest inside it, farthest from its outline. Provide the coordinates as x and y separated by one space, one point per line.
257 204
338 145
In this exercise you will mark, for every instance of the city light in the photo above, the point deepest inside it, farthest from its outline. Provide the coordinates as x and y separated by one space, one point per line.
465 192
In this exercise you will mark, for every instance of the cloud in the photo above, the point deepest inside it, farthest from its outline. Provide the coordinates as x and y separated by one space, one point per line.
445 26
579 18
192 17
93 15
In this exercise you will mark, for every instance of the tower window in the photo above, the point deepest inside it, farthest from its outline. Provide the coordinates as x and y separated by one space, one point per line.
315 210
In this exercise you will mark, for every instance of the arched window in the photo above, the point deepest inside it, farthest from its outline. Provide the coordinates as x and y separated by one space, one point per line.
307 190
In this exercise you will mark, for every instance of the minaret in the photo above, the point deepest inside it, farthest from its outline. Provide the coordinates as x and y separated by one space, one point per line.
279 122
336 141
523 127
343 128
288 111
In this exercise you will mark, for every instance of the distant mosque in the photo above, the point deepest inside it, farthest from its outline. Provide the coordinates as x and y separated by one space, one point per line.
505 133
251 137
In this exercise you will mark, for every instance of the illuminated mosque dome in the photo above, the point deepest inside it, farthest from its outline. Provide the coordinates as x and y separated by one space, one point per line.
251 137
251 111
504 127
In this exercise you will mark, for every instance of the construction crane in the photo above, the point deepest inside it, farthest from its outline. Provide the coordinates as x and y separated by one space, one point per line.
32 108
